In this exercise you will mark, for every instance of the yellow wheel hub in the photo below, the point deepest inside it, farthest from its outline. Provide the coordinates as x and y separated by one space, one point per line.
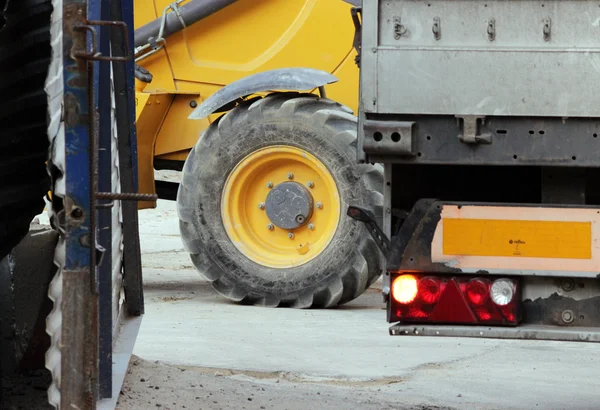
275 181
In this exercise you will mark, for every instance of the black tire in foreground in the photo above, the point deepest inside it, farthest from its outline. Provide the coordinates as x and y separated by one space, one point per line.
346 267
24 62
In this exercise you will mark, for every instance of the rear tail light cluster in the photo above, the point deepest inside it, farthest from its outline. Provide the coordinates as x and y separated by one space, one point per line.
417 298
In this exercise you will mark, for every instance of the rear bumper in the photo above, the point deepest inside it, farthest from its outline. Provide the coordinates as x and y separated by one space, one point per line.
528 332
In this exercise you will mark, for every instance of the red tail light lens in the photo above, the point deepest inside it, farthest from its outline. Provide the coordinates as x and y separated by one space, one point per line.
452 307
429 290
458 300
478 291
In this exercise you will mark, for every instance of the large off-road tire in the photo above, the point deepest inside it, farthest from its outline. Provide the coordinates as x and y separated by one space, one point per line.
232 238
24 63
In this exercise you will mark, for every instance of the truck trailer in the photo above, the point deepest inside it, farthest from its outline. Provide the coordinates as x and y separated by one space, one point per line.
485 116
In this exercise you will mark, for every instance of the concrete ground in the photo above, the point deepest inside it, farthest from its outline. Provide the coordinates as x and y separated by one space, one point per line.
197 350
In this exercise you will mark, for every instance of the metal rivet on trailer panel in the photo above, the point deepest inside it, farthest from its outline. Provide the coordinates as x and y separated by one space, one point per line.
567 316
567 284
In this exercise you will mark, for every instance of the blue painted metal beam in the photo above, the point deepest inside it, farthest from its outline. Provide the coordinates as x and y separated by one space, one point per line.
79 351
99 10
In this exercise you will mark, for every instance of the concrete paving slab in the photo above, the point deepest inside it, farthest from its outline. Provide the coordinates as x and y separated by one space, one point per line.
187 324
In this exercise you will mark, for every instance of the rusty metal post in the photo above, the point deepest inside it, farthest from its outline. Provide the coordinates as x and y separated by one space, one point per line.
125 116
79 348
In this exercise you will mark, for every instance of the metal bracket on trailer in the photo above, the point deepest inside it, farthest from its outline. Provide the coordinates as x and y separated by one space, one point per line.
470 127
94 54
367 217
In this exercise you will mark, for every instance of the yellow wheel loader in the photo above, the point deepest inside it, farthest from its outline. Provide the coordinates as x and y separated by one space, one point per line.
267 173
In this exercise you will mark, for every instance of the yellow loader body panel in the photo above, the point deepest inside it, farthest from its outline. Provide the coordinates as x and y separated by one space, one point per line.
245 38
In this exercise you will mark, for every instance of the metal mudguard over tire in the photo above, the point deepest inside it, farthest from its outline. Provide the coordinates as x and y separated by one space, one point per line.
323 132
24 62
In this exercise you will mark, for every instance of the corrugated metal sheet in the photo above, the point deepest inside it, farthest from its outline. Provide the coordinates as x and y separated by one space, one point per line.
117 219
56 133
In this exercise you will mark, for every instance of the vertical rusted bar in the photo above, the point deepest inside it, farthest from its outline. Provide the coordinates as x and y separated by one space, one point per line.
79 348
98 11
125 113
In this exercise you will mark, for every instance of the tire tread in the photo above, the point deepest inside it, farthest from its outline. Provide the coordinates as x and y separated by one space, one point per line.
357 272
23 138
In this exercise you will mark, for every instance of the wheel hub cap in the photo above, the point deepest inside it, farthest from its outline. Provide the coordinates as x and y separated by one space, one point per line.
280 206
289 205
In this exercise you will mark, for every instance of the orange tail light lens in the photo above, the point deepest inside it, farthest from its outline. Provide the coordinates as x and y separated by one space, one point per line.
404 289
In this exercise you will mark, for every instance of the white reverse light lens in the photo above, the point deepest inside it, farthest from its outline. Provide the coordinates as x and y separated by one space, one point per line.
502 292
